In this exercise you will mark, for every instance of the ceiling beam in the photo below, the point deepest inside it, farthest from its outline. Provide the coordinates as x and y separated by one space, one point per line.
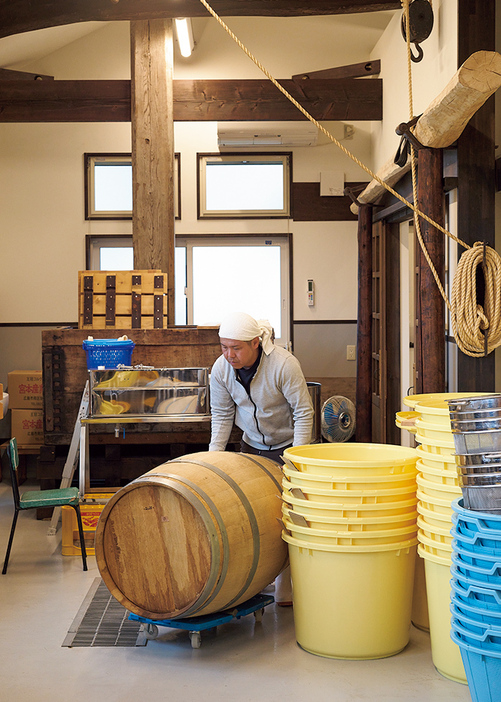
17 16
354 70
8 74
194 100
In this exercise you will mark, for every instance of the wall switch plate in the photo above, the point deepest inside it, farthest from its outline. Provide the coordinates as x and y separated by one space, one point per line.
351 353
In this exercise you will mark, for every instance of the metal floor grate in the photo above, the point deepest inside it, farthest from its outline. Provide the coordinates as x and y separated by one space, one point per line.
102 621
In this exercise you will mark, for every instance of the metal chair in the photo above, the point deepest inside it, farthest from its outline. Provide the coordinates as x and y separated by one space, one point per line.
40 498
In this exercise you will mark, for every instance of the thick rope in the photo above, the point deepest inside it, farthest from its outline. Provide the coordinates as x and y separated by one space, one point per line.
469 319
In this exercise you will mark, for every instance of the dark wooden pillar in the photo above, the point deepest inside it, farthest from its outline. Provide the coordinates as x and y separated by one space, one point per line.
476 172
430 323
364 326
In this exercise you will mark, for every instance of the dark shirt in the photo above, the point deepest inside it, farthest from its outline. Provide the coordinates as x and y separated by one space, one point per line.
245 375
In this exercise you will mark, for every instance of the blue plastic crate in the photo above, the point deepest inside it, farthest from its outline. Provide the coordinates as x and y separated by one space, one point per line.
108 353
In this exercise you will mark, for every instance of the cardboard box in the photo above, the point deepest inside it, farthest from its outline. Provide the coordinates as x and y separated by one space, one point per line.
27 427
25 389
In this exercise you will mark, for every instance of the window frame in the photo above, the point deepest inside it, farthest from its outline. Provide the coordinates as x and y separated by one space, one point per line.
237 157
90 161
93 242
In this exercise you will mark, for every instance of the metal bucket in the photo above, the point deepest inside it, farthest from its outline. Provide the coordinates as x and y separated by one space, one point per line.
483 499
475 403
477 441
480 480
314 390
478 459
490 469
463 426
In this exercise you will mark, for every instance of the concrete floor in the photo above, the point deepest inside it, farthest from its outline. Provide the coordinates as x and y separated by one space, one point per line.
246 661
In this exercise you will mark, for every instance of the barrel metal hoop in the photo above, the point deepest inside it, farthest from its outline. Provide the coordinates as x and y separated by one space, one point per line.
215 577
250 513
251 458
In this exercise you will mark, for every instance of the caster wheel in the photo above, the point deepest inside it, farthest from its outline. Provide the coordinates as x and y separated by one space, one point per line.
150 631
258 615
196 639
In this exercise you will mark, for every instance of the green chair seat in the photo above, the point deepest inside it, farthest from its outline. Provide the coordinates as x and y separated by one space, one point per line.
49 498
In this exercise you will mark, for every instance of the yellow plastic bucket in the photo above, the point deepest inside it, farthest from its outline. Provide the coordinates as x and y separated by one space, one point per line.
434 504
434 431
341 459
445 653
438 490
338 610
419 613
435 533
445 448
412 400
351 496
435 548
355 510
436 475
352 524
355 482
406 420
344 537
434 412
445 462
435 518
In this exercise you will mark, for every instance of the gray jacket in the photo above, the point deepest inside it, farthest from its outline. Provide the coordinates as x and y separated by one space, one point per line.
278 411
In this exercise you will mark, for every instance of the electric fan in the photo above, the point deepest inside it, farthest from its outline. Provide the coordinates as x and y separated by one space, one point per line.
338 419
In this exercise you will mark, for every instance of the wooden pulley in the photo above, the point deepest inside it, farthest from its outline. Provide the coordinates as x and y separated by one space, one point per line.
420 24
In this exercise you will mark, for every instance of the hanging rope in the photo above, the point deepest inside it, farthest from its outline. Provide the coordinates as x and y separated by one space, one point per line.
471 322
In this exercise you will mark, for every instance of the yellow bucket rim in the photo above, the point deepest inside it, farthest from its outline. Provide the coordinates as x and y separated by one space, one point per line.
427 485
406 545
411 400
435 558
306 454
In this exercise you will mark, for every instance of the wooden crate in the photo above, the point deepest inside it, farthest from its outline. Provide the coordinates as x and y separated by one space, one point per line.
65 374
122 299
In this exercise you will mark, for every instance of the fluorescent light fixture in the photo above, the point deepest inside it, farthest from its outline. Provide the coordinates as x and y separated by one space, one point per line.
184 32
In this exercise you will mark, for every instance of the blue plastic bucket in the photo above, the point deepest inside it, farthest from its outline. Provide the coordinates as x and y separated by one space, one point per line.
488 541
467 608
485 640
489 574
483 670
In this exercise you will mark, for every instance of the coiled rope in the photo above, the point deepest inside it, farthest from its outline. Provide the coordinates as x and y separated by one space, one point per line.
471 322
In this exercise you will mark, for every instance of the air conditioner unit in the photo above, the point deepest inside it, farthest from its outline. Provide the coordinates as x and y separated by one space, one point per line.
260 134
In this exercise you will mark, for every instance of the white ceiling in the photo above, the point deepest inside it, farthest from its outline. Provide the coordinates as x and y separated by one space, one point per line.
344 31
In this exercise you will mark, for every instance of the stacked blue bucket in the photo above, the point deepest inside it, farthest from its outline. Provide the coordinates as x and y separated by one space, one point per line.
476 552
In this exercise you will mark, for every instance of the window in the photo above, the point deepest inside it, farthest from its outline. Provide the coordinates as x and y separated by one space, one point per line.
244 185
108 186
211 278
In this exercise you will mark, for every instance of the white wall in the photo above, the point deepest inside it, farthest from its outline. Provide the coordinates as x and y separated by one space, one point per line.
429 76
42 176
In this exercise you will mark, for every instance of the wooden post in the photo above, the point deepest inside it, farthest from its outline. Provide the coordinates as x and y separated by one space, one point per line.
364 327
476 174
153 149
430 334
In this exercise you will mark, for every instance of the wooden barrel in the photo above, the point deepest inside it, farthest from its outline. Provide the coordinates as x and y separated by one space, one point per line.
196 535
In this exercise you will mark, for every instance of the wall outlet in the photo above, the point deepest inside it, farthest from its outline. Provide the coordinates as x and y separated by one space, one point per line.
351 353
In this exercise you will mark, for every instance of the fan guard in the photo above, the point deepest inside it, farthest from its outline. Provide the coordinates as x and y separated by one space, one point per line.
338 419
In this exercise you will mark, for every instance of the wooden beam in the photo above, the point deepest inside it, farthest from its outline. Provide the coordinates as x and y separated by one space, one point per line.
309 206
152 58
354 70
194 100
446 117
17 16
8 74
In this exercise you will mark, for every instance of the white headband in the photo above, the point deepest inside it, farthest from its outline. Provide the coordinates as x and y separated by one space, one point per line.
242 327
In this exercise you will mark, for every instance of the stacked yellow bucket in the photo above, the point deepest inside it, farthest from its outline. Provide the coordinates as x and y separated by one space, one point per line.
437 487
350 520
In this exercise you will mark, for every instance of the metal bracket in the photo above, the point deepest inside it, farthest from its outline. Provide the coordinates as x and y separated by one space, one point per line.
408 138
